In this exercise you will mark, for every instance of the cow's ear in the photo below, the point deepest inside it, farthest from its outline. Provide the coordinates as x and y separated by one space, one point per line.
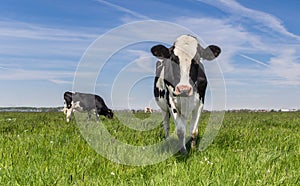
160 51
211 52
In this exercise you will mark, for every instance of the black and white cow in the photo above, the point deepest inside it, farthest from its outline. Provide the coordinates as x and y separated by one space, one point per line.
180 84
85 102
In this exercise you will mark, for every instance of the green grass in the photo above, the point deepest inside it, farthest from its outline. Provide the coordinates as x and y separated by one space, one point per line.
250 149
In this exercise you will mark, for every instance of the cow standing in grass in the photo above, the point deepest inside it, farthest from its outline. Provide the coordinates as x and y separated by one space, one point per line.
85 102
180 84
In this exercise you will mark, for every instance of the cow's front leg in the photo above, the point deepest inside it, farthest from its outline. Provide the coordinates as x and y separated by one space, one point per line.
194 124
180 129
166 123
69 114
65 109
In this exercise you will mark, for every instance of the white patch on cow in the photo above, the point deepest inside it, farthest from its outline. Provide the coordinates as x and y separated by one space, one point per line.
76 104
160 84
185 49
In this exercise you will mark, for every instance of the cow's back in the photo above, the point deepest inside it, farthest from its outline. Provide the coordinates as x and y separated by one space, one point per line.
84 100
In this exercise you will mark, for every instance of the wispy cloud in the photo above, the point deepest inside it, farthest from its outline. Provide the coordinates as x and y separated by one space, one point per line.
233 39
236 39
143 63
35 52
21 74
3 68
255 60
37 42
17 29
286 65
238 10
123 9
56 81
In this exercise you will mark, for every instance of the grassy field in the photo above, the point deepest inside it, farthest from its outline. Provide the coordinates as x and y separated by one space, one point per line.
250 149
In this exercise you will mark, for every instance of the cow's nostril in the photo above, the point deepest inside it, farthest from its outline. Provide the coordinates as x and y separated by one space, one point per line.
178 89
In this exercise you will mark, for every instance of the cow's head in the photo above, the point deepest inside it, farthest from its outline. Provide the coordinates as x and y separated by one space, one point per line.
109 114
182 63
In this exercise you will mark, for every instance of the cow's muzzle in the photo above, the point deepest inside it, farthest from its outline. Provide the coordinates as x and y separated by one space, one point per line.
183 90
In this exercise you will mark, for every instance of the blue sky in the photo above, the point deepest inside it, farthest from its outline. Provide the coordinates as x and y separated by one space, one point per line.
44 42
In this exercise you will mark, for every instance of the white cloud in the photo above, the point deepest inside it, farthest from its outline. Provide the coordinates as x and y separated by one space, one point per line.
21 74
17 29
143 63
231 38
123 9
59 82
33 41
34 52
238 10
286 66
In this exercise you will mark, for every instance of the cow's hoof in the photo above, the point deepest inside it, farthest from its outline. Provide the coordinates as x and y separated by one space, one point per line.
193 145
183 151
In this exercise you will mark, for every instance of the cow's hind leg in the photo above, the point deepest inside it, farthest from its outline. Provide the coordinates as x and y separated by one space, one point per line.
98 113
97 117
194 124
89 115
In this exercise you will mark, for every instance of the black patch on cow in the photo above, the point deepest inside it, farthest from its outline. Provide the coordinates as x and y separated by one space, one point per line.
168 98
173 57
201 83
167 83
68 99
162 93
171 73
194 72
215 50
198 78
210 52
156 92
156 89
159 93
160 51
